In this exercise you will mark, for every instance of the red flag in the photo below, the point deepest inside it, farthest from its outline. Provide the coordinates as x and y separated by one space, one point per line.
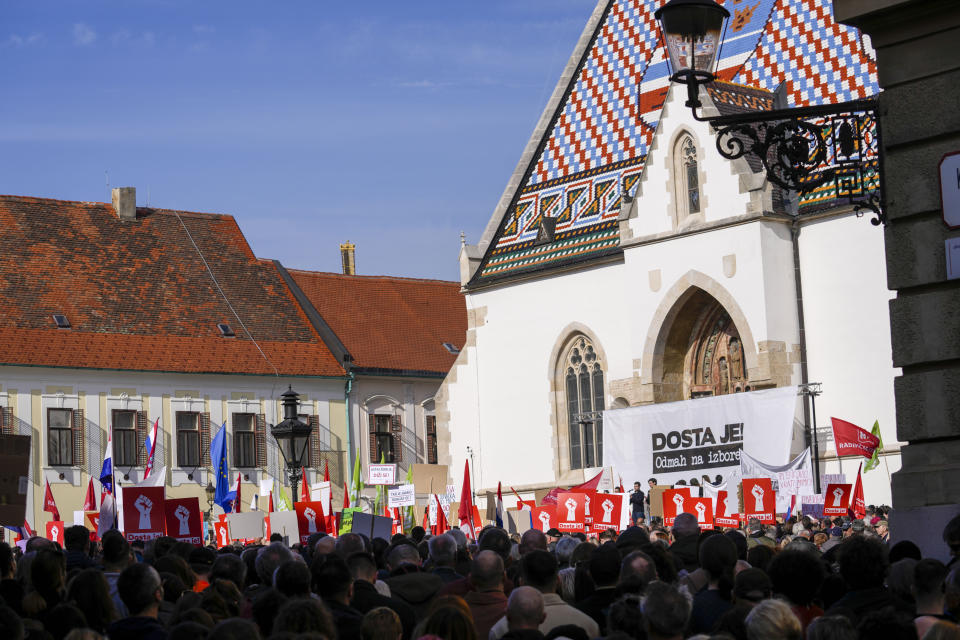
304 489
442 526
851 440
346 496
587 487
270 504
466 502
236 501
26 527
858 504
326 471
49 504
90 502
621 485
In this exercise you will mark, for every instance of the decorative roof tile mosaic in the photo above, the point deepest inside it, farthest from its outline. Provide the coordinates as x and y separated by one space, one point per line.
602 130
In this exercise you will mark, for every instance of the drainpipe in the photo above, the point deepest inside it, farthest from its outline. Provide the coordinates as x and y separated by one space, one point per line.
804 377
348 387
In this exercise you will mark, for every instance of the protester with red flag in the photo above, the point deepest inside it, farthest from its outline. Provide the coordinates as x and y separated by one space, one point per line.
851 440
49 504
466 503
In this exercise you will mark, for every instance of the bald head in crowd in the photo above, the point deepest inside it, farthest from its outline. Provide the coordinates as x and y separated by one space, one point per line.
525 609
403 554
443 550
532 540
486 573
349 544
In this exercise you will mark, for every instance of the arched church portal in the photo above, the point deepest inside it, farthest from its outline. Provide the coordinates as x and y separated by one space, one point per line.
703 352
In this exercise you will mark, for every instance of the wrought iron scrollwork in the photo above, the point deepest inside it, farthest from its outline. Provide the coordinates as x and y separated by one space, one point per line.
824 153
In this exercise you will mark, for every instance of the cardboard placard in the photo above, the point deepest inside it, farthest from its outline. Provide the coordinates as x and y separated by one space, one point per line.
836 499
656 500
246 526
703 509
759 500
143 515
519 521
92 522
608 507
380 474
544 518
571 511
540 494
672 500
55 531
430 478
372 526
14 479
221 531
184 520
362 523
403 496
382 528
310 519
285 523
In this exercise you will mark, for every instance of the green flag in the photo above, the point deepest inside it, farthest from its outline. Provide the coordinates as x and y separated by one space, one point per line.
410 515
356 483
283 504
874 461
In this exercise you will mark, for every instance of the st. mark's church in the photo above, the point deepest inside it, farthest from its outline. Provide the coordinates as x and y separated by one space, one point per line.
628 263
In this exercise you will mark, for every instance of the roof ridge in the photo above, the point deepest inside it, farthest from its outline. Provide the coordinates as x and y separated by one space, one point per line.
374 277
95 203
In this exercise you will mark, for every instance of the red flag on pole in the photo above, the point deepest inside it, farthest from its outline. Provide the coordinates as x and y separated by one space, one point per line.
858 505
851 440
270 504
236 501
49 504
622 490
326 471
442 525
426 519
346 496
90 502
304 489
466 502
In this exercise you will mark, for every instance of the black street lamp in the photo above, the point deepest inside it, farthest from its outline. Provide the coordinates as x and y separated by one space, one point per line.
801 149
293 437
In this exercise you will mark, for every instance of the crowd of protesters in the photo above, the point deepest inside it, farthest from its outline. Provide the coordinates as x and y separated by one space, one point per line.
831 579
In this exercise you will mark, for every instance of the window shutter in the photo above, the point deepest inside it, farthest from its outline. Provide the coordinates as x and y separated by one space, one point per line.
314 441
260 440
6 420
373 438
205 441
77 427
431 440
141 438
396 430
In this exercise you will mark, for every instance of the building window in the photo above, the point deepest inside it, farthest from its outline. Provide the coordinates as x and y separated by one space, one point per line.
384 438
583 385
125 438
244 443
431 439
686 178
188 439
60 437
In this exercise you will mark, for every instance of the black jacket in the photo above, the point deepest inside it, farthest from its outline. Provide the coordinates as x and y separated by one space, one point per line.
137 628
367 598
416 589
349 621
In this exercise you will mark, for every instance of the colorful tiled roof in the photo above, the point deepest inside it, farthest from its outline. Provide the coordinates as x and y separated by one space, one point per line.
138 295
390 324
601 131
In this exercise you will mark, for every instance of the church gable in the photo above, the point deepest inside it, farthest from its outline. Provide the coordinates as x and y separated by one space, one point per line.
595 146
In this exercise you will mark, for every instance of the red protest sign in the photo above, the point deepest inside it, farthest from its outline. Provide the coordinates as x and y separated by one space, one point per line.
607 508
836 499
759 500
673 503
184 520
571 511
310 519
92 519
544 518
703 509
589 497
731 521
143 512
221 531
55 531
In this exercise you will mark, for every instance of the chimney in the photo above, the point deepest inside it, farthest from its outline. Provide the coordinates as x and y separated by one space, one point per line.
125 202
346 256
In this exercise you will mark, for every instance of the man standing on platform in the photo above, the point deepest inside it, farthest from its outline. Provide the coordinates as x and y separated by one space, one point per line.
636 503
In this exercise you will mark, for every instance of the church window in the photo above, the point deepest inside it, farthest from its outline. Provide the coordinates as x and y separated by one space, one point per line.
583 378
687 178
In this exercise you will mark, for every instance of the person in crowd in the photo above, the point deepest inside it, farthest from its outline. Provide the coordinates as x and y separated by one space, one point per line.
686 536
637 503
796 576
532 540
604 569
230 567
929 590
443 558
76 543
48 581
89 591
491 539
637 570
407 582
304 616
334 585
666 612
773 620
538 569
651 483
624 620
525 614
718 556
831 628
863 567
486 600
293 579
366 598
450 622
381 623
141 591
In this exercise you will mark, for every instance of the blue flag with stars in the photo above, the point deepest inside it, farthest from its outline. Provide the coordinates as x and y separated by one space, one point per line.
218 459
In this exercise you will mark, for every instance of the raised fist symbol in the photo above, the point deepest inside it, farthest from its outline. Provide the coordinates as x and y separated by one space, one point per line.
571 506
54 532
144 505
586 502
757 492
224 541
678 500
183 515
701 510
311 517
607 506
837 495
544 520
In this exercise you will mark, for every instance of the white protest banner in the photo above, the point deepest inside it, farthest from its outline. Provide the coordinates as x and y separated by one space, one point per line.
320 492
700 439
382 474
266 486
403 496
791 479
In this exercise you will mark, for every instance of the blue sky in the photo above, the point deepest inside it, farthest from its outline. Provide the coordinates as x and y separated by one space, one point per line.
394 125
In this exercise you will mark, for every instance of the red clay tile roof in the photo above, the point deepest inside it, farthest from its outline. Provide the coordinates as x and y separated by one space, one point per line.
387 323
138 296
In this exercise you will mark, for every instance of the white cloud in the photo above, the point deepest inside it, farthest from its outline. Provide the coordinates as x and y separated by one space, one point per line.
17 40
83 34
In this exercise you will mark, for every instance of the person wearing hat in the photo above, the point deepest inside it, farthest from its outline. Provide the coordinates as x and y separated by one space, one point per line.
836 536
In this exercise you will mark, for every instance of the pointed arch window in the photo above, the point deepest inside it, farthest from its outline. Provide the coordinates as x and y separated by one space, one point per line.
686 177
583 385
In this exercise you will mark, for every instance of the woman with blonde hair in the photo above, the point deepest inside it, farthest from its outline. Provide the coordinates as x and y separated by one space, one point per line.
773 620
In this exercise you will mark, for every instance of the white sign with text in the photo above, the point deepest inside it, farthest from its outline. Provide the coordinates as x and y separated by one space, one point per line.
382 474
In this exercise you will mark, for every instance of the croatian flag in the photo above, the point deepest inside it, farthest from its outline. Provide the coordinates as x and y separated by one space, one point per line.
151 445
499 507
106 471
